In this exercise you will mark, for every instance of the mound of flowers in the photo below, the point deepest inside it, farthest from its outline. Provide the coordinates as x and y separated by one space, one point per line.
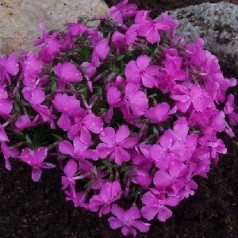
129 111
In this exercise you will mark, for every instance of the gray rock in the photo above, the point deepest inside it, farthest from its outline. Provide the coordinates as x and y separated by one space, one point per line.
217 24
19 18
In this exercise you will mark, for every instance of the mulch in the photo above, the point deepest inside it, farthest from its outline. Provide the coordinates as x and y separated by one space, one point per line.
39 210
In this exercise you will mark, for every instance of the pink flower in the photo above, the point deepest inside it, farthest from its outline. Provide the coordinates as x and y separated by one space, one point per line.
122 11
173 177
100 179
32 67
173 64
35 159
44 34
159 113
25 122
67 73
217 146
33 94
5 104
131 34
164 152
135 99
80 149
50 50
149 28
44 113
168 19
78 199
127 220
196 96
75 29
8 152
8 66
141 175
140 70
100 52
229 110
67 104
51 46
116 144
93 123
109 193
87 121
156 203
119 40
113 96
89 69
70 170
3 134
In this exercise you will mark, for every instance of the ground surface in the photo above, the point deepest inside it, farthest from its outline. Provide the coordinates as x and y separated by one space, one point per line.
39 210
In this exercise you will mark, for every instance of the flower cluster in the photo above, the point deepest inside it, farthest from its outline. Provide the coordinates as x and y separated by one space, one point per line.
128 110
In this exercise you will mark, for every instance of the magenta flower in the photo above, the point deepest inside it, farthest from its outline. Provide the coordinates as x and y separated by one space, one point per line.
127 220
80 149
5 104
140 70
113 96
70 170
32 67
131 34
229 110
50 50
116 144
3 134
156 203
89 69
100 179
67 148
51 47
67 72
160 112
67 104
33 94
93 123
78 199
75 29
45 114
164 152
217 146
173 177
141 175
89 122
122 11
135 99
100 52
173 64
119 40
109 193
25 122
168 19
8 152
8 66
149 28
64 122
196 97
44 34
35 159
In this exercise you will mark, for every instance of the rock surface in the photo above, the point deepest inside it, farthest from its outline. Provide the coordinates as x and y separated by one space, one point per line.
217 24
19 18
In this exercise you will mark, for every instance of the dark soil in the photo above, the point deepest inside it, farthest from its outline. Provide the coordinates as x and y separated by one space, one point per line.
39 210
